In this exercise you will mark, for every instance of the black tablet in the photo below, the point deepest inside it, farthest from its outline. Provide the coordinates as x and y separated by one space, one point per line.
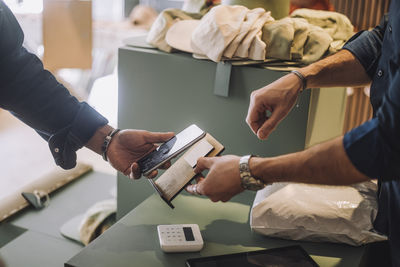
294 256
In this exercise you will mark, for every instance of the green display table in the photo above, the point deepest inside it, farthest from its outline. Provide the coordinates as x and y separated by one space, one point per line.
32 237
133 240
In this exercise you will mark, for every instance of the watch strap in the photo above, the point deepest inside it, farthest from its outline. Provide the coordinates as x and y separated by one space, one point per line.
248 181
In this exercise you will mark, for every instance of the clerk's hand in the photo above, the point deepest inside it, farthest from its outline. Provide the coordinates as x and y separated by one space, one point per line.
128 146
278 98
223 179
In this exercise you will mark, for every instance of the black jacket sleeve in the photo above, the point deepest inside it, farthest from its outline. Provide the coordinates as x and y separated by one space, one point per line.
35 97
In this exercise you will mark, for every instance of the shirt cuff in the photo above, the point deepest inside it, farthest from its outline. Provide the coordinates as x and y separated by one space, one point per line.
370 153
366 48
64 144
363 148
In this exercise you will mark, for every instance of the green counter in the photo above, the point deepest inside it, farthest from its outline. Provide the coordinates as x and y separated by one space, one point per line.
133 240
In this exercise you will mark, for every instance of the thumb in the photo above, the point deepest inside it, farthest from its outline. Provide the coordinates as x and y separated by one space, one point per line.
203 163
157 137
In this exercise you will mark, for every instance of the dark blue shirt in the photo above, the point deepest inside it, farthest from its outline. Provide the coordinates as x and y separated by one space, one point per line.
34 96
374 147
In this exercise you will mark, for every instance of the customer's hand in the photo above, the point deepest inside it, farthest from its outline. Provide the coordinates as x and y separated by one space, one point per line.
128 146
278 98
223 179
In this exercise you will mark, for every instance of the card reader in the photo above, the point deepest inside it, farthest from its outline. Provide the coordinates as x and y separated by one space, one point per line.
180 237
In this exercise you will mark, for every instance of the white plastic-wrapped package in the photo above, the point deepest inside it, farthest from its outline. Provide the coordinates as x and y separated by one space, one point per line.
340 214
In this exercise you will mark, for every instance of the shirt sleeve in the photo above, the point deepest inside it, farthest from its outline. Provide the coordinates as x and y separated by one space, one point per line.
374 147
366 46
34 96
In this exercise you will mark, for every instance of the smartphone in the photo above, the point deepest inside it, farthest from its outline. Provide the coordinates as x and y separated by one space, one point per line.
170 149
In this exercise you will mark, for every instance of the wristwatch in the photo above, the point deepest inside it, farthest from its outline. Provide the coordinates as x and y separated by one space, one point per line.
248 181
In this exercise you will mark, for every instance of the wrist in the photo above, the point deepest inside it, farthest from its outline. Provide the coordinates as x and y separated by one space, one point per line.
96 142
107 143
248 180
302 79
267 170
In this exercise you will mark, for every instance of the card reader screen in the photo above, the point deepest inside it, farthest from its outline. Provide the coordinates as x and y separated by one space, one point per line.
188 233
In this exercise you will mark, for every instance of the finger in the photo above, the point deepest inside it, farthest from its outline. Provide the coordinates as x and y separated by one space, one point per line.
153 174
199 177
190 189
157 137
270 124
255 125
200 188
135 172
166 165
256 118
193 188
225 198
203 163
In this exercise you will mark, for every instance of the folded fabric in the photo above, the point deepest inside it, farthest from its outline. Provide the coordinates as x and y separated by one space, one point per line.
251 17
217 29
337 25
295 39
232 32
198 6
97 219
225 32
252 46
161 25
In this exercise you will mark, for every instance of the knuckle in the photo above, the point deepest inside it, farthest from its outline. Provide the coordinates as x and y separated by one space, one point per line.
214 199
200 161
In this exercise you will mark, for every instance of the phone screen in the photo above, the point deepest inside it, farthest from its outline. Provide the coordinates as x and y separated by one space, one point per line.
170 149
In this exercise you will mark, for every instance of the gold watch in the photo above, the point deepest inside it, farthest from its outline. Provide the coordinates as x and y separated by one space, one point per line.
248 181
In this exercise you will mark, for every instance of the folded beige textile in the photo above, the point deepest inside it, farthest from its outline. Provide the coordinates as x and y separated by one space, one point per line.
217 29
161 25
295 39
236 32
337 25
252 46
178 37
96 217
225 32
251 17
193 6
46 184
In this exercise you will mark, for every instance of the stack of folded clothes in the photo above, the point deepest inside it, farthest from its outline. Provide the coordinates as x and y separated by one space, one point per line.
236 32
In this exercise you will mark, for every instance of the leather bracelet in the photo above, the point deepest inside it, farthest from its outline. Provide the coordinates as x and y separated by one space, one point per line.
302 78
106 143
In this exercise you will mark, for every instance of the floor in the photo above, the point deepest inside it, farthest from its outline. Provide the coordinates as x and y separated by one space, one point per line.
25 156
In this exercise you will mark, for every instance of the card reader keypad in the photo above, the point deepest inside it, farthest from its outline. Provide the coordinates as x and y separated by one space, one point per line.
180 237
175 234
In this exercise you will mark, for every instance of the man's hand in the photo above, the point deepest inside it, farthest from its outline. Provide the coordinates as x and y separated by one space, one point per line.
278 98
128 146
223 179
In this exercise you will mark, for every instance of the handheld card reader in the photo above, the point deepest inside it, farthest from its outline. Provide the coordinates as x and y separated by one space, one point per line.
180 237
